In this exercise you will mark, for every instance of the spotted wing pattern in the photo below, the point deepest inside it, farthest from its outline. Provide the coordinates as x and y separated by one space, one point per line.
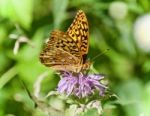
61 52
66 51
79 32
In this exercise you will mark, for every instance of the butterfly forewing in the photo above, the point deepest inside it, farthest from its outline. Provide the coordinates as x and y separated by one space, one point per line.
63 41
79 32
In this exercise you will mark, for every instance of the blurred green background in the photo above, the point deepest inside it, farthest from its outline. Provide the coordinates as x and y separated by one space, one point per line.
26 24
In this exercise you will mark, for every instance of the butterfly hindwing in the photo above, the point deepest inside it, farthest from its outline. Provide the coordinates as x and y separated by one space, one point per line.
58 58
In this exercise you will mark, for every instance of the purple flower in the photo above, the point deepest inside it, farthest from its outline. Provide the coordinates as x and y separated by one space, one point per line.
81 85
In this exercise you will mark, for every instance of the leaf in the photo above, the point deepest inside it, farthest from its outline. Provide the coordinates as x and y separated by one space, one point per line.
131 97
59 7
18 11
91 112
7 76
28 64
71 110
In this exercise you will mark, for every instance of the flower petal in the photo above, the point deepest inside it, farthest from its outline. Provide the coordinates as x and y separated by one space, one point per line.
81 85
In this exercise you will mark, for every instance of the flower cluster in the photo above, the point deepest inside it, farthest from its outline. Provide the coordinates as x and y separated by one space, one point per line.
81 85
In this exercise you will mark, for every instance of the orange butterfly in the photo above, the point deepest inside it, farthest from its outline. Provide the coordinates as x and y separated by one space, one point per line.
67 51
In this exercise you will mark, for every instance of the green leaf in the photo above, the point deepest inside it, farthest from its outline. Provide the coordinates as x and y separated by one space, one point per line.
28 65
59 7
91 112
7 76
18 11
71 110
131 97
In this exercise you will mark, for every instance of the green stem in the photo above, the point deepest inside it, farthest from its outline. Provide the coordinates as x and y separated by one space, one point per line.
6 77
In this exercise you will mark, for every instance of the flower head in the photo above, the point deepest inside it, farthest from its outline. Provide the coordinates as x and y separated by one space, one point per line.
81 85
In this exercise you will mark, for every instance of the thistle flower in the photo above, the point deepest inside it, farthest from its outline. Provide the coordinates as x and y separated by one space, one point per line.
81 85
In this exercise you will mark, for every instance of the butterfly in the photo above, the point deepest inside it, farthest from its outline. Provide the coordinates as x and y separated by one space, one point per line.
67 51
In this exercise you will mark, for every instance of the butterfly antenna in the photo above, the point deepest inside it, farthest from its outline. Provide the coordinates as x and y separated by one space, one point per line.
100 54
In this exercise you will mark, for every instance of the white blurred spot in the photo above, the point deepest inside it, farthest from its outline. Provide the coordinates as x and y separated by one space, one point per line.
118 10
142 32
13 36
46 40
18 97
21 39
37 84
16 47
142 114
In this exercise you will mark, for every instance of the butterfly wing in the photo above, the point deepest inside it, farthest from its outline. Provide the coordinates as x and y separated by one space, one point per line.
68 51
59 60
63 41
61 52
79 31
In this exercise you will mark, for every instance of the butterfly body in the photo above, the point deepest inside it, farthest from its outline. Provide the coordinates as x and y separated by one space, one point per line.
67 51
